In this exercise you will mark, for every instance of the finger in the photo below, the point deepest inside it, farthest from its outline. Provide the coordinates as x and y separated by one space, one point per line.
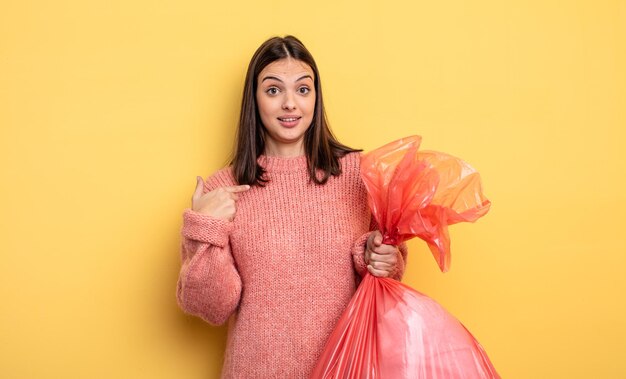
386 250
233 189
376 272
199 186
387 258
378 265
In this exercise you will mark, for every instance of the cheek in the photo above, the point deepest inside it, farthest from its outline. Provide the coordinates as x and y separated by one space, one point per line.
309 104
262 104
267 109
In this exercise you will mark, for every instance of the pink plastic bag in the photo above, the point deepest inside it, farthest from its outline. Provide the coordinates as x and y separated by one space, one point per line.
388 329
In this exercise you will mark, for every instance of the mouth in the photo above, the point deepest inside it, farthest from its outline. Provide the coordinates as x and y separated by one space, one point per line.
289 122
289 119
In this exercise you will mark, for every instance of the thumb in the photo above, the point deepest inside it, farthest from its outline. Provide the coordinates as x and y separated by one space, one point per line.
199 187
378 239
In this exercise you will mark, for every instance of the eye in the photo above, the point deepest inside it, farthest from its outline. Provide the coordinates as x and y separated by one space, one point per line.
272 90
304 90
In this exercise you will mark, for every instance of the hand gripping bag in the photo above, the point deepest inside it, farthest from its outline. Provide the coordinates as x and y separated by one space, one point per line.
389 330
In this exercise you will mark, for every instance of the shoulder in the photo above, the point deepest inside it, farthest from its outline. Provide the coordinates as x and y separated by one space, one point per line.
220 178
351 162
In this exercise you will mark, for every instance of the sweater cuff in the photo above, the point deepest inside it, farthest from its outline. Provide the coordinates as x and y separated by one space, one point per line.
358 254
205 228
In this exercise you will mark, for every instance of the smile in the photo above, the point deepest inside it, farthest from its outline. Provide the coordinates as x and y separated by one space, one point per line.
289 119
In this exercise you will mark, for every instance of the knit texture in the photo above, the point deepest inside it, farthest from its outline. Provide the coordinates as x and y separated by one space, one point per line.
285 268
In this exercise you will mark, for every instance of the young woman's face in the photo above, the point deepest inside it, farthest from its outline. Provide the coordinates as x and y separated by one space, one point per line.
286 100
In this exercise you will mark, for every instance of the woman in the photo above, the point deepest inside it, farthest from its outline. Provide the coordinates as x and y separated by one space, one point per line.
280 238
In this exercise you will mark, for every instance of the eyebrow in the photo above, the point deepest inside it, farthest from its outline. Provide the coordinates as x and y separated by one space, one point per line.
275 78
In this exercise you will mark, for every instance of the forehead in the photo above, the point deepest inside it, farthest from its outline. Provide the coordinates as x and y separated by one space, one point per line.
286 68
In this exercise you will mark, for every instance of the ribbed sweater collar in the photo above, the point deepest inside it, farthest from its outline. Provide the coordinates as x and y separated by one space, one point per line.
275 163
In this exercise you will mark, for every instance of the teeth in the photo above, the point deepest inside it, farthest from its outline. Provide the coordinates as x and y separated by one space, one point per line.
289 119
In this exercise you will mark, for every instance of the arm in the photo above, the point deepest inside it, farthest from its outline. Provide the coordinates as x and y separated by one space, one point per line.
209 285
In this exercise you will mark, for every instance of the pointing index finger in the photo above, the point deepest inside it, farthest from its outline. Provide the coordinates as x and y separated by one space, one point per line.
234 189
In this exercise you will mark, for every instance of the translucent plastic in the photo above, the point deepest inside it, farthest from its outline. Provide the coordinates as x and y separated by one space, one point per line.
389 330
419 193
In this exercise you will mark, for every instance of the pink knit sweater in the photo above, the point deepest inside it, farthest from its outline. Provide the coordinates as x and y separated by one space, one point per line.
284 268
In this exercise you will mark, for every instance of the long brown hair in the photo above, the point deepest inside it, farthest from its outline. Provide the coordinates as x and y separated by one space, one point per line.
321 147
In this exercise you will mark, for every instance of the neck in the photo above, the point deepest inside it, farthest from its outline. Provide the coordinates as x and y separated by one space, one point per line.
284 150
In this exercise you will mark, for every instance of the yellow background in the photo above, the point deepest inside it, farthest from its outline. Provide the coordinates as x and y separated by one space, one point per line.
109 109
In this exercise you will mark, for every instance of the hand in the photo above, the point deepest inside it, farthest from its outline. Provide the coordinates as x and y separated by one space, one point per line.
381 259
219 203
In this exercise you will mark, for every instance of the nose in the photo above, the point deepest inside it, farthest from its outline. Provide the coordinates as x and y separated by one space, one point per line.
289 102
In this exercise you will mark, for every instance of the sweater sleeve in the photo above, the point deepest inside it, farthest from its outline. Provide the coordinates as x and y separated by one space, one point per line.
358 254
209 285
